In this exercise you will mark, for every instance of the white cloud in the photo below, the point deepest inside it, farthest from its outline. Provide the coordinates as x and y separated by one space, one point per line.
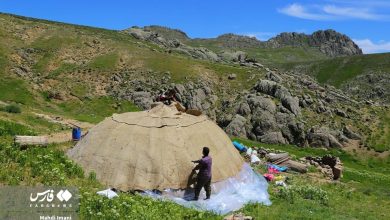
370 47
348 12
263 36
300 11
331 12
370 3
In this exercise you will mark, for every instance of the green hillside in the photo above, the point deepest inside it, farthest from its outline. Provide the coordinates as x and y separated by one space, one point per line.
72 73
338 71
269 56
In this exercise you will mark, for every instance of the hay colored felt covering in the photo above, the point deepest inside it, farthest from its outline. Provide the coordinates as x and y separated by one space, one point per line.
153 149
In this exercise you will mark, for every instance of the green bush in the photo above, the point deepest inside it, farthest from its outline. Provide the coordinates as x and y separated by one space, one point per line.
12 129
49 167
13 108
92 176
128 206
306 192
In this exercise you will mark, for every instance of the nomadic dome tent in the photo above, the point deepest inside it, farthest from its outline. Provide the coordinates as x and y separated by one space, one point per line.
153 149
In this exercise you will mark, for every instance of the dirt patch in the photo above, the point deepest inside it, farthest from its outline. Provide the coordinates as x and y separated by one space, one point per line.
64 136
65 121
354 147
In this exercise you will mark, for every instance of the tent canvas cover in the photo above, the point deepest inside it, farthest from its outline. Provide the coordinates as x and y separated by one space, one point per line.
153 149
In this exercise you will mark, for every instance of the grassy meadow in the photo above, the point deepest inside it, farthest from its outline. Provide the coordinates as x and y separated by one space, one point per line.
363 190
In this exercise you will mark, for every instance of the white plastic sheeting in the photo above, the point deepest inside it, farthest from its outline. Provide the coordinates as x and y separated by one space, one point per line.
109 193
255 159
227 196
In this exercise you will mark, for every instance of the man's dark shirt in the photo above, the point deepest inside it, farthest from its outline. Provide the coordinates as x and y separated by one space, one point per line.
205 167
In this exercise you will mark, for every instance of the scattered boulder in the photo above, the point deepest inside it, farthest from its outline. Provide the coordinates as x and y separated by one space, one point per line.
273 138
238 56
292 131
273 77
351 134
263 123
274 89
322 137
292 104
142 99
305 101
266 87
259 103
321 107
180 89
244 109
237 126
340 113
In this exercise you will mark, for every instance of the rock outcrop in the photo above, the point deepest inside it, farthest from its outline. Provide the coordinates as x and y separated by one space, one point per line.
374 86
264 120
238 41
237 126
168 33
172 45
329 42
278 91
322 137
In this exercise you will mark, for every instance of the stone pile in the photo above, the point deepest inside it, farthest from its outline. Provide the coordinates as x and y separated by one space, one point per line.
329 165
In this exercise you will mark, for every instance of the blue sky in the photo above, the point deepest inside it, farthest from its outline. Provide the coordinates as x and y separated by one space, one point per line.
366 22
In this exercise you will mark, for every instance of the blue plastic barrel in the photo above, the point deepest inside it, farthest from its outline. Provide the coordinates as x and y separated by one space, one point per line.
239 146
76 133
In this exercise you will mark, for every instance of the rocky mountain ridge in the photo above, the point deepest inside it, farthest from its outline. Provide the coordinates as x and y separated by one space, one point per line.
328 42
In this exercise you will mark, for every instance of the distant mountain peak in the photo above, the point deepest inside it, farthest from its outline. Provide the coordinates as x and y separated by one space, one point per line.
329 42
168 33
231 40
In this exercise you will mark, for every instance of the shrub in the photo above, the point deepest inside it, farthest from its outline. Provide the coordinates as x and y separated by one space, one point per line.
13 108
11 129
136 207
312 169
92 176
305 192
49 167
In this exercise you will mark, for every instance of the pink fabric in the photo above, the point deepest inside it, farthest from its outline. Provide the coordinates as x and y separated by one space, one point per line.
269 176
272 170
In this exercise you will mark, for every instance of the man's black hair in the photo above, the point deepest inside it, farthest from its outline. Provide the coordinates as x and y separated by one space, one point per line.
206 151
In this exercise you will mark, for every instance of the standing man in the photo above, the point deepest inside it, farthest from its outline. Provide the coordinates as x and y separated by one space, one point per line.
204 175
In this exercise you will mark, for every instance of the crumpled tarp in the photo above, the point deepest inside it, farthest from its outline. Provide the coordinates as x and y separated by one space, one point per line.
109 193
227 196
